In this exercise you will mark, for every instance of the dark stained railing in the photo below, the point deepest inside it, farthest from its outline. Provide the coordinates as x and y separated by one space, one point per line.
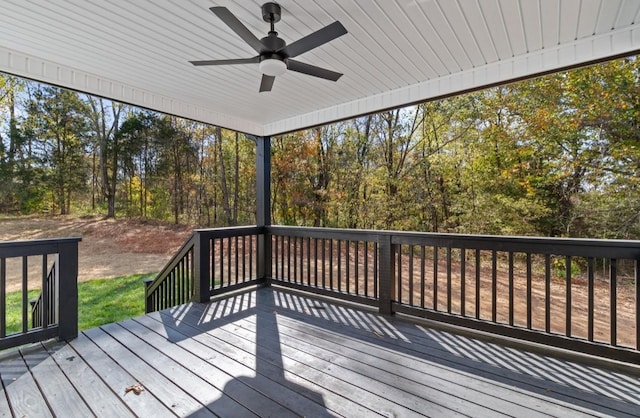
577 294
210 262
47 299
334 262
174 285
24 266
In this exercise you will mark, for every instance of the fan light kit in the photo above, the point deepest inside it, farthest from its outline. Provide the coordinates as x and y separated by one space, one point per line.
275 56
272 67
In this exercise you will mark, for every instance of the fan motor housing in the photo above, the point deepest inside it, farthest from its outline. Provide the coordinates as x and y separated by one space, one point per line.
273 42
271 12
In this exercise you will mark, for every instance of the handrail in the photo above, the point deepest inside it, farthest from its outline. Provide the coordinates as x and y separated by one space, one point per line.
172 263
543 245
190 274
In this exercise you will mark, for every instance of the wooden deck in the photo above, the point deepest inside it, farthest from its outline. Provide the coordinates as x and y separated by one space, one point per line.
272 353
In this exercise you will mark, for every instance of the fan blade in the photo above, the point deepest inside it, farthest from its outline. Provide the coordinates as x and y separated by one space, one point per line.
267 82
253 60
317 38
241 30
309 69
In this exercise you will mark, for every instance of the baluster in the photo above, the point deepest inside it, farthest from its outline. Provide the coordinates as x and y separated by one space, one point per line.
422 277
590 297
411 275
567 263
613 301
449 287
511 290
547 293
463 285
478 266
25 294
494 286
529 304
44 295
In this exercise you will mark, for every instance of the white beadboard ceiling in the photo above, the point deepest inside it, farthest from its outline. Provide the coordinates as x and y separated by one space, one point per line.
396 52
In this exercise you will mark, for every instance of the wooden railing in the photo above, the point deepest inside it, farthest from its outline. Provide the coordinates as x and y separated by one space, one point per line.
47 299
335 262
51 266
174 285
210 262
578 294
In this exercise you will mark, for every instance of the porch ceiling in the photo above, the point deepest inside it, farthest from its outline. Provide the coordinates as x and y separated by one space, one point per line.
396 52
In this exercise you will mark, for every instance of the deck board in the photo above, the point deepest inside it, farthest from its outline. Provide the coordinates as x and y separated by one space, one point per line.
212 368
272 366
274 353
117 378
62 397
21 389
152 380
103 402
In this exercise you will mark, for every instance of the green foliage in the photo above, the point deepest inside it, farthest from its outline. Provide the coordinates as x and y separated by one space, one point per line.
558 155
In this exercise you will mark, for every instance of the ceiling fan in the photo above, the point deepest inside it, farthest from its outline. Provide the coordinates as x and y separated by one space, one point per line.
274 55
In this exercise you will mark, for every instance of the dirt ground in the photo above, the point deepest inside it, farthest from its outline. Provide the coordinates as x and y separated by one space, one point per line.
109 247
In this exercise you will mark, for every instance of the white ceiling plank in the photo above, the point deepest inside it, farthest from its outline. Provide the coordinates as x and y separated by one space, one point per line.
588 20
422 22
492 14
550 14
389 16
477 22
569 15
459 24
608 15
532 23
439 20
514 26
628 12
431 64
395 52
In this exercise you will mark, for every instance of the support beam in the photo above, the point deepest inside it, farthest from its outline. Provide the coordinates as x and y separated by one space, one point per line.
263 180
263 205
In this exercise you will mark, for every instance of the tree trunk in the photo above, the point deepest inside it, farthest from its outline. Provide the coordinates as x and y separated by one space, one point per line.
236 182
226 205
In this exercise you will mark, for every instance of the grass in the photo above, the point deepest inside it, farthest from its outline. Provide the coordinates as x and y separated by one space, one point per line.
100 301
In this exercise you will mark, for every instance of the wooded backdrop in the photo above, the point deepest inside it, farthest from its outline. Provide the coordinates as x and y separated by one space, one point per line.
554 156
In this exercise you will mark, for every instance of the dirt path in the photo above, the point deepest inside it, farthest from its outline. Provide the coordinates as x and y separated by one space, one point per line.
109 248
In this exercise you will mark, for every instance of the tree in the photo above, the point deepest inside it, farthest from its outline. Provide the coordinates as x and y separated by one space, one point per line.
61 130
105 123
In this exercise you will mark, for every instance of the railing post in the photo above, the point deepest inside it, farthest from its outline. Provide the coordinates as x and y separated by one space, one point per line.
148 305
68 290
386 276
201 273
264 256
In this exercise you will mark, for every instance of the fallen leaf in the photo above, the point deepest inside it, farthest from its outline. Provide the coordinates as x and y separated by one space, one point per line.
136 388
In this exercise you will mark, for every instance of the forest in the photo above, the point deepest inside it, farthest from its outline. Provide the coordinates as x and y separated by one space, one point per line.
557 155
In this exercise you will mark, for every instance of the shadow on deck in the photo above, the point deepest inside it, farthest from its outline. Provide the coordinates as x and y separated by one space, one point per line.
269 352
